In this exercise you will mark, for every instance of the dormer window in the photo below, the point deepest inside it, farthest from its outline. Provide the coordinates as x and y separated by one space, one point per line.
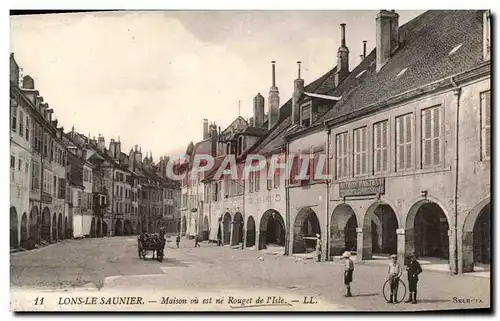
306 115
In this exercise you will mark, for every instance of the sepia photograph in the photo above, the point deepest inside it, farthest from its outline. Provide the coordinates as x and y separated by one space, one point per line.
250 160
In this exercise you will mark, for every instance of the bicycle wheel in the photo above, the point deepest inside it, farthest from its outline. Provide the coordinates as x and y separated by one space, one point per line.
400 292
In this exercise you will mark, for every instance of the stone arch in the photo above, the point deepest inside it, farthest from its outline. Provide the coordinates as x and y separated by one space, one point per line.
427 230
118 228
14 228
226 228
343 235
99 228
237 230
184 226
45 233
271 229
93 227
476 236
34 221
54 227
60 230
24 227
380 226
250 240
206 229
305 228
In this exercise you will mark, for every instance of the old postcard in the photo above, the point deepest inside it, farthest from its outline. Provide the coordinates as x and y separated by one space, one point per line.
250 161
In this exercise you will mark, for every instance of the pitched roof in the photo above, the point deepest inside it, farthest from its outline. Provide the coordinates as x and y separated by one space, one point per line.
424 53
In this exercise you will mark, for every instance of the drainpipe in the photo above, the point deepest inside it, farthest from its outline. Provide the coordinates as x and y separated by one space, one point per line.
287 200
457 91
327 196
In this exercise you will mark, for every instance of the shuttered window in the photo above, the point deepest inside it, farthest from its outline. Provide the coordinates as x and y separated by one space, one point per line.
485 125
380 147
295 169
342 155
431 136
306 116
360 148
404 142
319 164
268 175
21 123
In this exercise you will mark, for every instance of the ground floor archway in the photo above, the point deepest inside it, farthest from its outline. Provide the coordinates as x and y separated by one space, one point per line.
14 227
427 230
206 229
93 227
271 229
45 230
24 227
127 228
305 229
226 229
34 223
476 237
54 227
60 229
250 239
118 228
380 231
237 229
343 235
104 228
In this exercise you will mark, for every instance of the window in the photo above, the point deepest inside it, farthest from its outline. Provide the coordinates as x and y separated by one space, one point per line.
277 173
485 125
404 142
35 176
295 169
55 186
256 181
306 116
360 151
380 147
269 177
62 188
342 156
26 167
319 165
13 123
27 133
21 123
431 136
19 164
12 167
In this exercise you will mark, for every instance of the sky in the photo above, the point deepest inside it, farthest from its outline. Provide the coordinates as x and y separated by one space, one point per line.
150 78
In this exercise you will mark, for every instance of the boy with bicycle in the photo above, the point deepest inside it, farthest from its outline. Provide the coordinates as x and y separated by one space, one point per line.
395 271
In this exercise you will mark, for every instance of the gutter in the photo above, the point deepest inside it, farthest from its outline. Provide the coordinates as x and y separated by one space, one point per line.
457 91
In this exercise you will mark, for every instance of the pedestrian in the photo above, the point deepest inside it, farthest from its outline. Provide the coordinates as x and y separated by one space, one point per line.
348 272
177 240
413 269
318 248
196 240
395 272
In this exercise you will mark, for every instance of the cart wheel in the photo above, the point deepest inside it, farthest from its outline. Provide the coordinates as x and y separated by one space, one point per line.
400 292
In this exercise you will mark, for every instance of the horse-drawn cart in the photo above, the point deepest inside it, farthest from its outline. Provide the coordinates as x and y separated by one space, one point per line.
151 243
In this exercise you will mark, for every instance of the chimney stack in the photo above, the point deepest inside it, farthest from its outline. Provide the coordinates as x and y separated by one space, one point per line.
100 143
205 128
258 111
342 58
298 89
387 36
274 100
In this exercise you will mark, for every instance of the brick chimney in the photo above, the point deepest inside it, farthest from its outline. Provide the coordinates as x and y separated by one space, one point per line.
274 100
100 143
258 111
387 36
342 58
205 129
298 89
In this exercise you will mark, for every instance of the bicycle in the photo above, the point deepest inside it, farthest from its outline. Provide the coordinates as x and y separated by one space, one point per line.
400 292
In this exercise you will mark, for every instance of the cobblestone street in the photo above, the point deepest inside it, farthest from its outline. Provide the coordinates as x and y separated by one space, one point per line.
112 263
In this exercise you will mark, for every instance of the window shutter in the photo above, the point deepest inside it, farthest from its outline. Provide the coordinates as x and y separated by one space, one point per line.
363 149
437 135
408 141
426 132
339 154
345 155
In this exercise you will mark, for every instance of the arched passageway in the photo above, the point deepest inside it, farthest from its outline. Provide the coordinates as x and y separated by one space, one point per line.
476 237
237 229
206 229
226 229
93 227
250 240
99 228
271 229
427 230
118 228
34 223
184 226
104 228
54 227
380 231
45 233
343 224
14 227
24 227
60 228
305 229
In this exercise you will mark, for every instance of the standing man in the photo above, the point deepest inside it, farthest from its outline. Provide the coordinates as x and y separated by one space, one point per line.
196 240
178 240
395 272
348 272
413 269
